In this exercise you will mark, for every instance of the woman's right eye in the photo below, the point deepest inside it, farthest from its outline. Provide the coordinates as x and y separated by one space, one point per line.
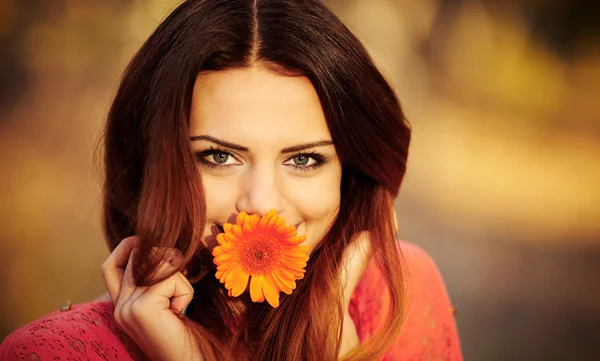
220 158
216 158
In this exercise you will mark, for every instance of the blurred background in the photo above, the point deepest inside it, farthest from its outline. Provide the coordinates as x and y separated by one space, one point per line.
502 182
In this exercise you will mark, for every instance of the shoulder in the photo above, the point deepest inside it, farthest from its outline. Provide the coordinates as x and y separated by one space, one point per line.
429 328
85 331
425 289
420 273
422 277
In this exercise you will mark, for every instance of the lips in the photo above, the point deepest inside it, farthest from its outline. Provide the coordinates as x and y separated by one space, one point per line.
221 230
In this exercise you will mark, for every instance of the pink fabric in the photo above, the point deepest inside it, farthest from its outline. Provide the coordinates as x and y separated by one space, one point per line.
429 330
89 332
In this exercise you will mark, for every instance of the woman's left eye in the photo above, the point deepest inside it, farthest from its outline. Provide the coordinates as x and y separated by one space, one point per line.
302 160
305 161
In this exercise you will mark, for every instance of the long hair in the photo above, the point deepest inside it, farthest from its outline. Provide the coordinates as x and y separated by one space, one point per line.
153 188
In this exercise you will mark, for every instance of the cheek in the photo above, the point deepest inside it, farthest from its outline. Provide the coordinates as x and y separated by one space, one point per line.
220 195
318 204
315 202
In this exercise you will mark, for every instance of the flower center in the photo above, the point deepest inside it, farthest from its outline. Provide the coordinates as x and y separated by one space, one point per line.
259 255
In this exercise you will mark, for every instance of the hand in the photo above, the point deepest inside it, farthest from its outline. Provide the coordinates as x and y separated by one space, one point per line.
150 315
355 260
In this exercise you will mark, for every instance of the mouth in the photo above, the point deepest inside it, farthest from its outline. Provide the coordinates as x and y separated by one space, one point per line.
221 230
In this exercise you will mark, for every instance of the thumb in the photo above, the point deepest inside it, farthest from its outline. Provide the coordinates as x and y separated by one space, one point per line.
174 293
183 293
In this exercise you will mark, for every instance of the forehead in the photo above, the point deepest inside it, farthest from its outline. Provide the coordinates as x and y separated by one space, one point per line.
257 106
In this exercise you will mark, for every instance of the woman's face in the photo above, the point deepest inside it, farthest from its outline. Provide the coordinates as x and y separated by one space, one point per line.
262 143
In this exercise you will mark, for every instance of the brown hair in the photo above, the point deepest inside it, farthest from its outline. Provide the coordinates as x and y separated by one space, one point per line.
153 188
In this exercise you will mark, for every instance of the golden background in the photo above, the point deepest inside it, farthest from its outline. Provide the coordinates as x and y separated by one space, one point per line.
502 182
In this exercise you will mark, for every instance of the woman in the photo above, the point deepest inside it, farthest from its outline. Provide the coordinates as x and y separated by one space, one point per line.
236 108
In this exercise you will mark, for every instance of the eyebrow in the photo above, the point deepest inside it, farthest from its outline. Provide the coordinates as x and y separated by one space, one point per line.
219 142
295 148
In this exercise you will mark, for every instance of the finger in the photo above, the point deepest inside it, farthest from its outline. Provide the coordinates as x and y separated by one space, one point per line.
183 294
168 271
174 293
128 285
114 267
163 271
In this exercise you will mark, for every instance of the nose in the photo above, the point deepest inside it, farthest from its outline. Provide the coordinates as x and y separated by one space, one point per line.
262 191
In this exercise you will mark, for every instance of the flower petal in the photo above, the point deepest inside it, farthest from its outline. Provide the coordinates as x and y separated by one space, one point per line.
225 266
232 276
220 238
292 264
256 288
273 283
217 251
280 284
228 247
229 238
270 292
241 284
294 241
280 222
272 221
262 224
254 219
237 231
227 227
240 218
283 285
290 274
225 257
296 257
304 249
287 231
223 275
247 227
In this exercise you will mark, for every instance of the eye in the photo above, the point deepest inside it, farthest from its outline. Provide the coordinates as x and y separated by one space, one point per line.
305 161
220 158
216 158
302 159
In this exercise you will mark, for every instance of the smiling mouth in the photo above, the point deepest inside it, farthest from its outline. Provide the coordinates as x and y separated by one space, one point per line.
221 230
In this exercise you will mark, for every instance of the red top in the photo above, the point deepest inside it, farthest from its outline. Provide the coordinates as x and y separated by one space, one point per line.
88 331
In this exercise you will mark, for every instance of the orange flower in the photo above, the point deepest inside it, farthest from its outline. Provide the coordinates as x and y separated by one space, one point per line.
263 248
